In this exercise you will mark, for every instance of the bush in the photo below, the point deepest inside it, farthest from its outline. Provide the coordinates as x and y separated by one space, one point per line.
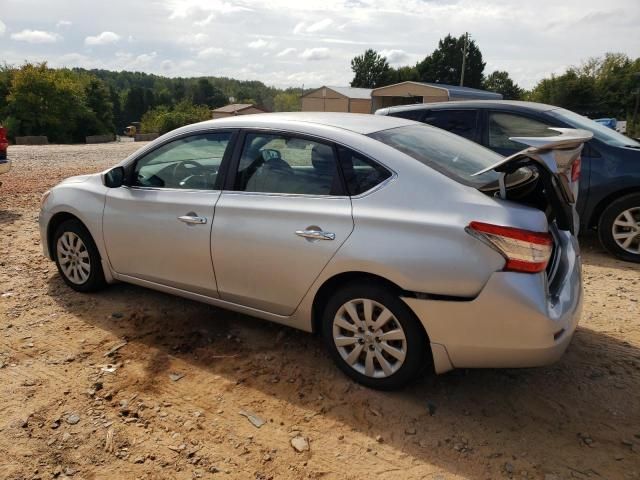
164 119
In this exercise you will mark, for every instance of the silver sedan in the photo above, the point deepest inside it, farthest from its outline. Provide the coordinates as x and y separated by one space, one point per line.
403 245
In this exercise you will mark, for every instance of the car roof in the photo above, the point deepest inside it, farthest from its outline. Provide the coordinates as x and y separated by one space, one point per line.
502 104
355 122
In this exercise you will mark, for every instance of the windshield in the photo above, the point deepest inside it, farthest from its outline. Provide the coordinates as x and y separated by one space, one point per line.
445 152
602 133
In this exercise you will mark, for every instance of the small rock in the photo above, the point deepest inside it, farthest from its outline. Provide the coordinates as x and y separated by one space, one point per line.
66 436
176 376
253 418
73 418
117 315
508 467
139 459
300 444
379 439
55 424
410 431
69 471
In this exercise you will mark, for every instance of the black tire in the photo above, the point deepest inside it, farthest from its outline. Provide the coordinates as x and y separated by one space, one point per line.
605 226
95 280
418 354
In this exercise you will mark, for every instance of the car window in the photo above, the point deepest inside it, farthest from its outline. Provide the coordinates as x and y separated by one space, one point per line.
190 163
409 114
273 163
505 125
453 156
360 173
460 122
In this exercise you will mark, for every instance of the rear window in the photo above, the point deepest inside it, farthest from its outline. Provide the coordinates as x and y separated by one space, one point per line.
454 156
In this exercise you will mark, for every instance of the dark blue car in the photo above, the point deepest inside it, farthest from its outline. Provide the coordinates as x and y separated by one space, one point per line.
609 173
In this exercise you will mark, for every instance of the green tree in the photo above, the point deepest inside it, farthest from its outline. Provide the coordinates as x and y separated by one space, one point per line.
163 119
99 102
500 82
444 65
371 70
44 101
287 102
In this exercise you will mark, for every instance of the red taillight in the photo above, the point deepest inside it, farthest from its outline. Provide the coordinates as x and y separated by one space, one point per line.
576 166
524 251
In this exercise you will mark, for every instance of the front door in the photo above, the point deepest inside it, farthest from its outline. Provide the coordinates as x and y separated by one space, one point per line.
284 217
158 228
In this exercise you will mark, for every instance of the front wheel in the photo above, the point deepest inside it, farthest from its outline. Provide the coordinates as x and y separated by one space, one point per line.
619 228
77 257
374 337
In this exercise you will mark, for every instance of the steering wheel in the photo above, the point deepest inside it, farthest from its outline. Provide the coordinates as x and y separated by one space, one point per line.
181 172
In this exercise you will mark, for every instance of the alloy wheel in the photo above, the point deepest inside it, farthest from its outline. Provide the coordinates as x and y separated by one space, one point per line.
369 338
626 230
73 258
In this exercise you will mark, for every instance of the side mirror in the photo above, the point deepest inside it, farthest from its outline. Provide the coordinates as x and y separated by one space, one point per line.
114 178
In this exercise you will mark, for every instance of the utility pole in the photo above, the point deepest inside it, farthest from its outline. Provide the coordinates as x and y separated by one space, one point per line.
464 57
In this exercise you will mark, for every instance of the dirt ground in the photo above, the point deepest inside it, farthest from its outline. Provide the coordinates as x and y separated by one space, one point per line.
167 403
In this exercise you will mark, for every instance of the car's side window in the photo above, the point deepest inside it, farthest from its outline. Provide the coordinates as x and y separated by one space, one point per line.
189 163
360 173
275 163
461 122
505 125
410 114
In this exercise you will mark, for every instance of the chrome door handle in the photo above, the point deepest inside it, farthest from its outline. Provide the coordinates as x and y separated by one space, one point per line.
316 234
193 220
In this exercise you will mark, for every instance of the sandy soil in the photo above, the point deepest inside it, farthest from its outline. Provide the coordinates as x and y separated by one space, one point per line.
167 403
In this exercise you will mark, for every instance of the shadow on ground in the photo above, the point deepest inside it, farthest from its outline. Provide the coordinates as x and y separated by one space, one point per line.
536 417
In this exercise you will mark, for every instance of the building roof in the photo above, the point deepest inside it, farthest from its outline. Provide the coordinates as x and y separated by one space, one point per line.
454 92
349 92
235 107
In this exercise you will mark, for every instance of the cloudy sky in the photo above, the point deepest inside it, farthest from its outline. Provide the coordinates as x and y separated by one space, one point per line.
310 42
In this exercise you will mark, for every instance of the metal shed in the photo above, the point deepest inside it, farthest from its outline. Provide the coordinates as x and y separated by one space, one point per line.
337 99
235 109
407 93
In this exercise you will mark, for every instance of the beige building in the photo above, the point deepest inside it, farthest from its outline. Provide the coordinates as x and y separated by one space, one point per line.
337 99
235 109
407 93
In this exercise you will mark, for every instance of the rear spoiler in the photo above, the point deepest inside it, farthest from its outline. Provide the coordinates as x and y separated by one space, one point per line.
556 153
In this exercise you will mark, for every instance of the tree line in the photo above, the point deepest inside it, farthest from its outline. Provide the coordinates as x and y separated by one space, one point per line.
66 105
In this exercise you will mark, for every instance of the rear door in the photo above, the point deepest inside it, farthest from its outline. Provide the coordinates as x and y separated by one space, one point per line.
282 216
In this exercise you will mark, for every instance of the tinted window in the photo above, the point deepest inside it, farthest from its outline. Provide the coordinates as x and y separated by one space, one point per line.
505 125
460 122
450 154
287 164
188 163
409 114
360 173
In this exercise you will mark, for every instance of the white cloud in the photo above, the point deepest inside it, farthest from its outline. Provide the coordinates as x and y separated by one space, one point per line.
210 52
206 21
259 43
395 56
3 28
63 23
36 36
320 53
197 39
105 38
285 52
315 27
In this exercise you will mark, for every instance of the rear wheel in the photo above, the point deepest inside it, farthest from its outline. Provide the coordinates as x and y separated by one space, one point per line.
619 228
374 337
77 257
